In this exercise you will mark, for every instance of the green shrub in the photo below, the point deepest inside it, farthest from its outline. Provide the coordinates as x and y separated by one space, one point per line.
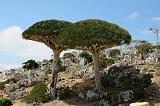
122 78
5 102
2 85
68 55
30 64
114 52
38 94
64 92
87 56
104 61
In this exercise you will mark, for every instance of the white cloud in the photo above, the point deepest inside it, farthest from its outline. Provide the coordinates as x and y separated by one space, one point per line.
11 42
155 19
133 15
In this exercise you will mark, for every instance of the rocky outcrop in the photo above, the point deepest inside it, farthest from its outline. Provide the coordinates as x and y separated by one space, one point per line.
17 94
16 90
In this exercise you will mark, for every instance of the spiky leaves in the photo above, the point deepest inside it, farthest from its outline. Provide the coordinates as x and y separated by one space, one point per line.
46 32
91 34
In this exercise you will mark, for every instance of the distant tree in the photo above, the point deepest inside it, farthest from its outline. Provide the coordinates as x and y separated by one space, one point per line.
94 36
144 48
139 41
30 64
87 56
156 31
114 52
46 32
68 55
104 61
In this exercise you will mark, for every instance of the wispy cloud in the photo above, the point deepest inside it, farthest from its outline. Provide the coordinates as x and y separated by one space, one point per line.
133 16
155 19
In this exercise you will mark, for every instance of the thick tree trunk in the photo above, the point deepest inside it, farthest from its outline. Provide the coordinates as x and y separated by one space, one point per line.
97 71
55 70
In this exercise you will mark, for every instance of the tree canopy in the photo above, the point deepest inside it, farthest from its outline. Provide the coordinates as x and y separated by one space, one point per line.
46 31
91 33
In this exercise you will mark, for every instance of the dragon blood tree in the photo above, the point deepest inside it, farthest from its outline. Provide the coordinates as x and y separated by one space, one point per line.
94 36
46 32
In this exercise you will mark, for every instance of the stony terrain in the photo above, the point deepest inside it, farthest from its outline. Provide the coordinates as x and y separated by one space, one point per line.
79 76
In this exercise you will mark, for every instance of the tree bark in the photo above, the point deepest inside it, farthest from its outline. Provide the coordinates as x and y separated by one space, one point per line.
55 70
97 71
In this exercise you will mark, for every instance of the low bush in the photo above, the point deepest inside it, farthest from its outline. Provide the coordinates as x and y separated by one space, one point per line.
38 94
2 85
87 56
64 93
114 52
5 102
127 78
68 55
104 61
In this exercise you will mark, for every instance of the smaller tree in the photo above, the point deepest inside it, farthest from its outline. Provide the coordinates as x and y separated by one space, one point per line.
156 31
114 52
30 65
87 56
104 61
144 48
68 55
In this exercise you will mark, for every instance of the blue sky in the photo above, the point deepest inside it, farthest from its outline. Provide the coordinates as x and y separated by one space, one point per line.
137 16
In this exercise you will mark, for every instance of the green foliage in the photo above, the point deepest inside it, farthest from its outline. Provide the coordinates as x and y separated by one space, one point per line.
86 56
144 48
68 55
87 33
2 85
110 62
38 94
122 79
104 61
5 102
46 28
30 64
64 93
114 52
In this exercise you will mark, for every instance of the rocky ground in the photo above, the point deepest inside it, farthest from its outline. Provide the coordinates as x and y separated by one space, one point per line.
79 76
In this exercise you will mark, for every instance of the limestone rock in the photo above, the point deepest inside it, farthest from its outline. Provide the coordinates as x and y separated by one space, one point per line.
140 104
